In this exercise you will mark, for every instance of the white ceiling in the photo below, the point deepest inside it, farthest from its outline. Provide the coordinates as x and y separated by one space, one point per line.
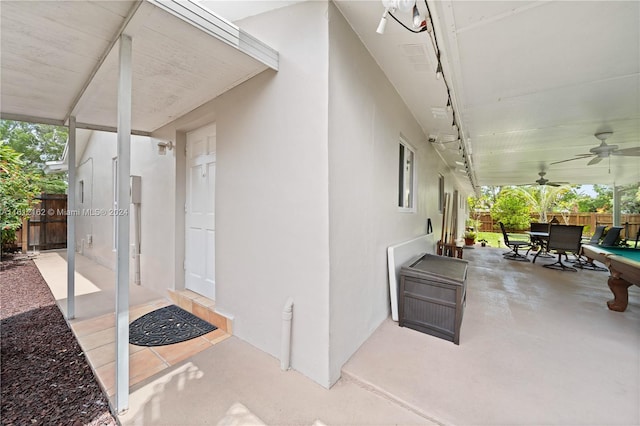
60 58
532 82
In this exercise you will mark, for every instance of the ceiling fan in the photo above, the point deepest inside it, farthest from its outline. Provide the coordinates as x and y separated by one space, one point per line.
604 150
543 181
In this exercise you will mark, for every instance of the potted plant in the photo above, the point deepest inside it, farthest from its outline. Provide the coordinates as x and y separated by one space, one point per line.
483 242
469 238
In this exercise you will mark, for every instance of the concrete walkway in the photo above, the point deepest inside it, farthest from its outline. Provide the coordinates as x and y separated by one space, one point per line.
203 389
537 346
229 383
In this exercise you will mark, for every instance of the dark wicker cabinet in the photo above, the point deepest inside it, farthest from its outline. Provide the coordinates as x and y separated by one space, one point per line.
433 295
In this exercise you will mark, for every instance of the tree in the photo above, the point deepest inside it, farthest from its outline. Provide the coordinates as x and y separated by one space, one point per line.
630 198
512 209
488 197
601 203
543 198
38 143
18 189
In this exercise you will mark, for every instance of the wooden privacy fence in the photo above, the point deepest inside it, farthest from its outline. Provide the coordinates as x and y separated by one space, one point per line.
631 222
47 226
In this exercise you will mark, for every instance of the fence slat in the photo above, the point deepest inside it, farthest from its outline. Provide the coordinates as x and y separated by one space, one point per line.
630 221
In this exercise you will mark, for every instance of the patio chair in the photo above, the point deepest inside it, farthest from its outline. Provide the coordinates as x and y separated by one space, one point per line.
611 237
563 240
538 243
514 245
597 235
584 263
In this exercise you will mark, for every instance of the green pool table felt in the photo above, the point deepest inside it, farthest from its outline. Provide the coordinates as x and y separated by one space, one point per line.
629 253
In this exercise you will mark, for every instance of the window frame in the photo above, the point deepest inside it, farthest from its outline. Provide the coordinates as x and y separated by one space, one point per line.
404 179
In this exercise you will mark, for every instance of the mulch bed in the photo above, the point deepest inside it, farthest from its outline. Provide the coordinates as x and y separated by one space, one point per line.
45 378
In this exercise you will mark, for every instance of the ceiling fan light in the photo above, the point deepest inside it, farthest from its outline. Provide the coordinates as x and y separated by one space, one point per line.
418 22
383 22
603 135
404 5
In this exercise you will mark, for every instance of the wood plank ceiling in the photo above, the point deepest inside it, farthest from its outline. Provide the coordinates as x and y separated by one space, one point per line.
60 58
533 81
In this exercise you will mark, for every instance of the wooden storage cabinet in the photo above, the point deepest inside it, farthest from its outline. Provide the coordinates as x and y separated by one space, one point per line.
432 296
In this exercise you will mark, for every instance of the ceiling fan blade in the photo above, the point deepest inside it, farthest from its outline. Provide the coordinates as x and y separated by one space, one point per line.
627 152
553 184
596 160
579 157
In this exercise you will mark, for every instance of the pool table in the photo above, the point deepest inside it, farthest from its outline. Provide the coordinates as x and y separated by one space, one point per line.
624 265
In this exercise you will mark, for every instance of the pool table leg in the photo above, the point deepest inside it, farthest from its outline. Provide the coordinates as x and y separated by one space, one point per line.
619 288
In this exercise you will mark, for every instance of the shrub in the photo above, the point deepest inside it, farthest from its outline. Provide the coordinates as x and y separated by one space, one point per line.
512 210
17 192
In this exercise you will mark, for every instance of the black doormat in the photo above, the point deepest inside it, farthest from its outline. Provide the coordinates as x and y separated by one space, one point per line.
166 326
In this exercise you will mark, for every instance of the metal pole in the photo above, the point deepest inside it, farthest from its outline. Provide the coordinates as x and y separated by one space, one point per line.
616 205
71 221
122 225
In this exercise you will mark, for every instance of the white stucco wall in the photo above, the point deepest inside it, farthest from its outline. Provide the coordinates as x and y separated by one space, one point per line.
95 170
272 195
306 191
272 238
366 120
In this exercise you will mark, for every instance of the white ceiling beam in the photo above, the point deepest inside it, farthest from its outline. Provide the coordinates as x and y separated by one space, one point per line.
221 29
100 128
31 119
62 123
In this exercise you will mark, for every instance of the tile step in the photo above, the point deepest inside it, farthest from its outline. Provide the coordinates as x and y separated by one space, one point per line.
201 307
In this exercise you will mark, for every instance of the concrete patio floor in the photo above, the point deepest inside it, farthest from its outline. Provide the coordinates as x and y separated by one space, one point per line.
537 346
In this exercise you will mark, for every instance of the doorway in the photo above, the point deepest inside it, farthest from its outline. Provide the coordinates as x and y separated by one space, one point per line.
200 234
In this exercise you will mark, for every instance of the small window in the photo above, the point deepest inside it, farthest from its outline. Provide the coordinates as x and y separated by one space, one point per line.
81 192
406 172
441 193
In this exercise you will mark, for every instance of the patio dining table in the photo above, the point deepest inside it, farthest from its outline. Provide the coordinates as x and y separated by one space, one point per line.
539 239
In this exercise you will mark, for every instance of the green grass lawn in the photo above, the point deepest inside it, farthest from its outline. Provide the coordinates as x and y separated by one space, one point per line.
494 239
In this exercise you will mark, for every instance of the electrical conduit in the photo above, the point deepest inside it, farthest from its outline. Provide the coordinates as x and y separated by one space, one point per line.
285 346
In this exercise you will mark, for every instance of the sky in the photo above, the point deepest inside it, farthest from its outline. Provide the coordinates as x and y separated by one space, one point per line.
587 190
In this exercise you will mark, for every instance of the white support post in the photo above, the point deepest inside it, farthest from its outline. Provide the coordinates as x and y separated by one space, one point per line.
71 221
617 218
122 226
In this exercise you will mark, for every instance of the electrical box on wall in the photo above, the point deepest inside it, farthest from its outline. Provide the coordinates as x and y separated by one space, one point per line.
136 189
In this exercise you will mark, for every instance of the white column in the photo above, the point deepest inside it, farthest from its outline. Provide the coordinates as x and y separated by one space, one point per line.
71 221
617 218
122 226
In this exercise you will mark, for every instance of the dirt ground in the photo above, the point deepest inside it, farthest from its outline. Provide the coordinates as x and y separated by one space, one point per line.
45 377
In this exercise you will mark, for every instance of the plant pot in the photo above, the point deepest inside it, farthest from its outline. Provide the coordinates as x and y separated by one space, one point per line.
469 241
483 244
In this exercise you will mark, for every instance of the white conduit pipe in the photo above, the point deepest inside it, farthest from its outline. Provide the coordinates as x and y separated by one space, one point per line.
136 245
285 345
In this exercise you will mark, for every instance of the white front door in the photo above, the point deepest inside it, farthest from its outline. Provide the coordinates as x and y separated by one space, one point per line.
200 211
